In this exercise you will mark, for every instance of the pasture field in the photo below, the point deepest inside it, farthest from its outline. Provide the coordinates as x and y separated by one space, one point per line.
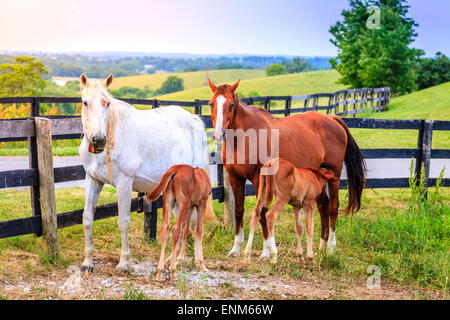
287 84
409 243
190 79
432 103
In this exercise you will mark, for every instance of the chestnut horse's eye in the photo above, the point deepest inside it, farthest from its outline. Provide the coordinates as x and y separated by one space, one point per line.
211 105
230 107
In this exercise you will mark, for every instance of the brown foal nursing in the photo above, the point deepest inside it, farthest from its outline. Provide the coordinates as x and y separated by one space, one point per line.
297 186
190 188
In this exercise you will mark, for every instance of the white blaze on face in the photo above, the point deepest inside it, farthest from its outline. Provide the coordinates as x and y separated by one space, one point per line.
219 120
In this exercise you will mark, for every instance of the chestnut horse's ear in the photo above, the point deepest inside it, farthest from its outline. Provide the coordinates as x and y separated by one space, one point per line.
108 81
234 86
83 80
212 86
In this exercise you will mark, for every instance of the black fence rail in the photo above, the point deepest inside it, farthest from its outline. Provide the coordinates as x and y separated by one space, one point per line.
69 127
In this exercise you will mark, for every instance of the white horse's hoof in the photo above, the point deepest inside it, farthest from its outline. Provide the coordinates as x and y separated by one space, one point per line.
264 258
87 268
123 268
273 260
234 254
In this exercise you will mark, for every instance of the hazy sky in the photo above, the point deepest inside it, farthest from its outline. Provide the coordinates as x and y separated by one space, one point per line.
295 27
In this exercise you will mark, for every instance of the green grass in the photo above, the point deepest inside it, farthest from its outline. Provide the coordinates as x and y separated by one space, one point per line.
407 239
190 79
431 103
290 84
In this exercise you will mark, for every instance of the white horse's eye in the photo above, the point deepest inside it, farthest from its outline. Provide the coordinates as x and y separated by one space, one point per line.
85 103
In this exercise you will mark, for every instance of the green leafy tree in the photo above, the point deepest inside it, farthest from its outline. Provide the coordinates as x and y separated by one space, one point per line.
297 65
376 55
172 84
132 93
275 69
22 77
433 71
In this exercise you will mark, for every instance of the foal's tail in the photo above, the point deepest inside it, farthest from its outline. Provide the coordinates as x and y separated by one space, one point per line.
265 191
356 167
161 187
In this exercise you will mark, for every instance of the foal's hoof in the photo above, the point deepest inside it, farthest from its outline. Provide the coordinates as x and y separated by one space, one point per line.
202 268
159 276
234 254
88 269
301 260
310 260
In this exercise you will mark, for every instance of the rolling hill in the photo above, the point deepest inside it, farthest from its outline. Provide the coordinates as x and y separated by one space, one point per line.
288 84
191 79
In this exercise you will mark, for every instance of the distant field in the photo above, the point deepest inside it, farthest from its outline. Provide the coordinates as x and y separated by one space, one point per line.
289 84
191 79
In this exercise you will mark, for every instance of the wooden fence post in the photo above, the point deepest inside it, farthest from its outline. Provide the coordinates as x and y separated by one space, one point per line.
33 164
424 141
228 196
47 185
150 209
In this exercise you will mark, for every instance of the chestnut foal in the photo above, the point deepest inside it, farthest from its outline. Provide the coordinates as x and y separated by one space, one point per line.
297 186
190 188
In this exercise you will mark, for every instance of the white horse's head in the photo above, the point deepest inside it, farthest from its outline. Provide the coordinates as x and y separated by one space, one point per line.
94 113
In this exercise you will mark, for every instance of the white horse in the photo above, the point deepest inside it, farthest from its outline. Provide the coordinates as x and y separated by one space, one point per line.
131 150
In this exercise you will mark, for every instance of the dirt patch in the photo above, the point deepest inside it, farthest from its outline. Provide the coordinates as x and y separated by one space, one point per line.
216 283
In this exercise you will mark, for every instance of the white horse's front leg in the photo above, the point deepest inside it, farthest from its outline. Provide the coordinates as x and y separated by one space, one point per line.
124 194
93 188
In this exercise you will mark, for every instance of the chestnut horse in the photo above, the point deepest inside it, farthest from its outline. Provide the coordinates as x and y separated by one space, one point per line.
308 140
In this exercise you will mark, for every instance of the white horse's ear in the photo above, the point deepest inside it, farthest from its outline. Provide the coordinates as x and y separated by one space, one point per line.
212 86
83 80
234 86
107 83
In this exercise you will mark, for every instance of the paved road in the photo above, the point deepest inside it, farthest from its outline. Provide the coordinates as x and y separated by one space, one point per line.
377 168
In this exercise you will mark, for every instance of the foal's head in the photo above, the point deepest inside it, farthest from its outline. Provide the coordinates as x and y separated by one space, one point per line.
222 107
94 113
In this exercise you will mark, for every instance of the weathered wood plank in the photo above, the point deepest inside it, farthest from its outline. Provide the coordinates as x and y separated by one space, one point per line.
18 227
67 126
17 128
382 123
18 178
75 217
46 185
69 173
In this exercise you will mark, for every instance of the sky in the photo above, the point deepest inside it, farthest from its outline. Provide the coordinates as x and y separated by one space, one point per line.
266 27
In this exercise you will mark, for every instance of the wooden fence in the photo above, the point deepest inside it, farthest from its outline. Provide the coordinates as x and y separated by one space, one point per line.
70 127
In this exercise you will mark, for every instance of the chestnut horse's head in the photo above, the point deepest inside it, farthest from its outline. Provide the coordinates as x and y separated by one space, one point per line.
223 105
94 113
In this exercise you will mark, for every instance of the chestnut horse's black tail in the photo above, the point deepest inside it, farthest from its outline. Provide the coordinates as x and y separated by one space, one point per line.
356 168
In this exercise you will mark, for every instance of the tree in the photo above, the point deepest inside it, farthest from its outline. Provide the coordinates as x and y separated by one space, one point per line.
190 69
433 71
22 77
172 84
275 69
297 65
376 55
